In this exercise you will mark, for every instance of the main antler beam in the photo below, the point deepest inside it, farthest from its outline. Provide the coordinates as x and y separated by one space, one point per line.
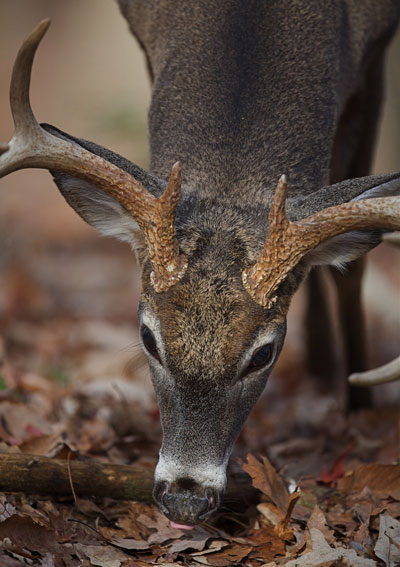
31 146
288 242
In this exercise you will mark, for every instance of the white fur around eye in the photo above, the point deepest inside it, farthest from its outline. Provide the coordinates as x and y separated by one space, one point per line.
264 338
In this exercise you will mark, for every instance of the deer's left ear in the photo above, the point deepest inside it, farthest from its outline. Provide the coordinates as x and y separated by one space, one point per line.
343 248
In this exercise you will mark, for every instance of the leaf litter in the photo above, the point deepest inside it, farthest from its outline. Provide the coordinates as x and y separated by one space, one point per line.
313 487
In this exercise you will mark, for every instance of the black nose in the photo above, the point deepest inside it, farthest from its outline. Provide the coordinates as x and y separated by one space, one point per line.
185 501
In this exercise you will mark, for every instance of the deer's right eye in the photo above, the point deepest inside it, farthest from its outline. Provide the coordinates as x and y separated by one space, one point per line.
149 343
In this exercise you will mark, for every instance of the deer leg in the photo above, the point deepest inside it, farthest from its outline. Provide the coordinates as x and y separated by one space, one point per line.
352 157
353 329
321 354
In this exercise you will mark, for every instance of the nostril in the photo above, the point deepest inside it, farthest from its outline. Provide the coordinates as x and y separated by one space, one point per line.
159 492
212 498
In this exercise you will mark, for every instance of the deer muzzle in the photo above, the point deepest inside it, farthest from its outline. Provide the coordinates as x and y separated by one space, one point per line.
188 497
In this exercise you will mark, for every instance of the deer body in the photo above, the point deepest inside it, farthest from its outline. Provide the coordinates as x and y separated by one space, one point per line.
243 92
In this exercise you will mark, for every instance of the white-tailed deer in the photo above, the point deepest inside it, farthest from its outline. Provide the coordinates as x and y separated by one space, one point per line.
244 93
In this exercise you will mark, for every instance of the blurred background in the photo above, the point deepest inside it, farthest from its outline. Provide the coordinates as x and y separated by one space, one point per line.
67 296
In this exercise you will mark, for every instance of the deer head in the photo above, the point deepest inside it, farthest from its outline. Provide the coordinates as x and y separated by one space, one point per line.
214 298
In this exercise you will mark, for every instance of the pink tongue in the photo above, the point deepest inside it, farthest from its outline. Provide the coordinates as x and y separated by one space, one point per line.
181 526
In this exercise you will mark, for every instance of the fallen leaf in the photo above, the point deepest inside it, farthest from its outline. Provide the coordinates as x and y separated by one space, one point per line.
215 545
266 479
100 555
229 556
23 532
46 445
331 476
196 540
267 544
270 513
322 555
387 546
130 543
383 479
163 530
282 529
317 520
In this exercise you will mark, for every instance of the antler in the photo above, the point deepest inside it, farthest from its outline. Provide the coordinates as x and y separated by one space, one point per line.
389 372
288 242
31 146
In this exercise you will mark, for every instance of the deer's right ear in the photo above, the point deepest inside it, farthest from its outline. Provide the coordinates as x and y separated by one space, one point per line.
95 206
344 248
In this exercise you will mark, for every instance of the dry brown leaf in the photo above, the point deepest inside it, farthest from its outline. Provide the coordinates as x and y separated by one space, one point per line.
46 445
231 555
383 479
163 529
364 504
267 545
23 532
317 520
282 529
128 523
270 513
266 479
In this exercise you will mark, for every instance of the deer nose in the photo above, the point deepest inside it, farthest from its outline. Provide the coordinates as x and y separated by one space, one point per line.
186 503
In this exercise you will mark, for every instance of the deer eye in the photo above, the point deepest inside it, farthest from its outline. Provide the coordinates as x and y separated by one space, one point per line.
149 342
261 357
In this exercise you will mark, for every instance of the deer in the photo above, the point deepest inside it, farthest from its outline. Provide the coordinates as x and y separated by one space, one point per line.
261 114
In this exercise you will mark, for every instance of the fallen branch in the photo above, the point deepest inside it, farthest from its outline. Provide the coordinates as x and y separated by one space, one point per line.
34 474
41 475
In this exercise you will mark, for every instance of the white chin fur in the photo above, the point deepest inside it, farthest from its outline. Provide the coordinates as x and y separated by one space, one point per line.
207 474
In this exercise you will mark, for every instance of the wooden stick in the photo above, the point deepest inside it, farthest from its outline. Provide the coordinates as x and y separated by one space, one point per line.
34 474
41 475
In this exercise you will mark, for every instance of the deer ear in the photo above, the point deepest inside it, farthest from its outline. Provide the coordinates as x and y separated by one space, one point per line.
347 247
95 206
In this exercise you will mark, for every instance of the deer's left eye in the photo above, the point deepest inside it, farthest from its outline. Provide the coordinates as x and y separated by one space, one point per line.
261 357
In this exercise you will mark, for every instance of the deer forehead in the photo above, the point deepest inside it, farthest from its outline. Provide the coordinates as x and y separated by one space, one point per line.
206 325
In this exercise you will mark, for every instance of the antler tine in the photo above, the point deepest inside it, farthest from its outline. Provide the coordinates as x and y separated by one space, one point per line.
21 110
389 372
25 124
32 146
287 242
173 268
